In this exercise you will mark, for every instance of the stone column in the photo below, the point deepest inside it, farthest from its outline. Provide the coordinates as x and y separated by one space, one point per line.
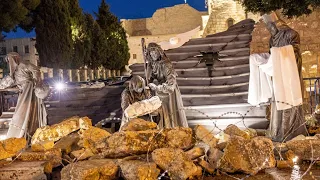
118 72
85 74
78 75
104 75
91 74
60 74
108 72
70 74
1 73
50 72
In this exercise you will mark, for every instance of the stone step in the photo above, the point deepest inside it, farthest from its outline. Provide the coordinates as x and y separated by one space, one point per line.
210 47
203 72
218 125
25 170
185 55
214 99
225 111
219 39
186 64
208 81
241 87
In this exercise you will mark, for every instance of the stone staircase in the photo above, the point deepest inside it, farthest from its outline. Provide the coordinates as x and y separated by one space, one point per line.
216 96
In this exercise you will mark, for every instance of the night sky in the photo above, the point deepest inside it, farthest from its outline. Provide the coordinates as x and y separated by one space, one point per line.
126 9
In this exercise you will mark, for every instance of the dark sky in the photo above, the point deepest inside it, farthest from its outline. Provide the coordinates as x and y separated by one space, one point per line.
126 9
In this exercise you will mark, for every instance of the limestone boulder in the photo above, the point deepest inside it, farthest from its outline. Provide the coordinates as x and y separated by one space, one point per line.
68 143
214 155
206 136
10 147
139 170
102 169
81 154
58 131
195 153
42 146
233 130
127 143
92 137
53 156
179 137
176 162
305 149
248 156
138 124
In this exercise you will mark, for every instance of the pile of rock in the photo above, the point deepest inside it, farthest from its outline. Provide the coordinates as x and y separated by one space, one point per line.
141 151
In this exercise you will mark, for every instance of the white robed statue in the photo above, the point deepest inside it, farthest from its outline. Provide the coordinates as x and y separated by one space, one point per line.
30 112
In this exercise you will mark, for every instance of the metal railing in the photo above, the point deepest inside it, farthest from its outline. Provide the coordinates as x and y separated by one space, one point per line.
314 83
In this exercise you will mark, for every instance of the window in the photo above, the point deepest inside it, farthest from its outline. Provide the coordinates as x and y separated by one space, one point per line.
26 49
230 22
3 50
15 48
134 56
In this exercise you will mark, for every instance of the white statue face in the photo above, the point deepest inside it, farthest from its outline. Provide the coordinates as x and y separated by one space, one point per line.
154 54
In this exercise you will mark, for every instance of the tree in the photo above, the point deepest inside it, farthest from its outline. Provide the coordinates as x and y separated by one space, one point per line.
54 35
15 12
118 50
290 8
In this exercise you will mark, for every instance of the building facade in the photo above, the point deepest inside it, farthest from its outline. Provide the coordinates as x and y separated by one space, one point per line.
24 46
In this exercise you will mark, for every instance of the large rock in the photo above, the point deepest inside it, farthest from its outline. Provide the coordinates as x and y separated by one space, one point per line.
206 136
176 162
68 143
103 169
305 149
248 156
10 147
179 137
214 155
52 155
233 130
138 124
81 154
35 170
195 153
127 143
139 170
92 137
57 131
42 146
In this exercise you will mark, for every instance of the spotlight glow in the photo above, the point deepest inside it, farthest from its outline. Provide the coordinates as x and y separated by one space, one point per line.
295 159
59 86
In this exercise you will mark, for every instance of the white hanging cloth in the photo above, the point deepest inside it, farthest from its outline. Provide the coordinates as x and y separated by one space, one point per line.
260 86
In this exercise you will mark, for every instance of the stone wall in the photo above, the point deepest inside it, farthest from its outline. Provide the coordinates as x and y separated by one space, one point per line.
308 28
172 20
220 11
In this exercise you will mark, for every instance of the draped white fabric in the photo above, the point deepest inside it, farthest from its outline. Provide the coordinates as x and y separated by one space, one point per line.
286 80
260 87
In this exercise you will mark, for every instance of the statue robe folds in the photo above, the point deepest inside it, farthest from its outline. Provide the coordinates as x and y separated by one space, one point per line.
288 123
30 112
167 89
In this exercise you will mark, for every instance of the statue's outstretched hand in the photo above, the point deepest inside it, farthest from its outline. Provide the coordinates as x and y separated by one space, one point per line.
152 86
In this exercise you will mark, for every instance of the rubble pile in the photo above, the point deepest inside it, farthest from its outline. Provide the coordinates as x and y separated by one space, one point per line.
141 151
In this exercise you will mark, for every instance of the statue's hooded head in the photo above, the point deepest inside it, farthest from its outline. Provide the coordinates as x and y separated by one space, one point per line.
13 59
273 22
137 84
154 52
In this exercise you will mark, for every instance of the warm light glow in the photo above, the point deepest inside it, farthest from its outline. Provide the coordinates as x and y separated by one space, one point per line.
295 159
174 40
59 86
3 137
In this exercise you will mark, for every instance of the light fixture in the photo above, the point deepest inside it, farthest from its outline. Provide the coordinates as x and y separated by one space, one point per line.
59 86
295 159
